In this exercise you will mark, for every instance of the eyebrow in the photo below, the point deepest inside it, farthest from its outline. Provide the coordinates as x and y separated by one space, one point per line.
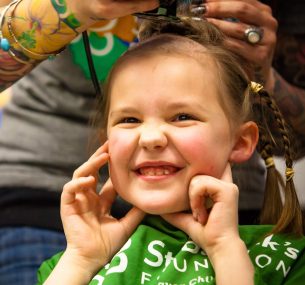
181 105
124 110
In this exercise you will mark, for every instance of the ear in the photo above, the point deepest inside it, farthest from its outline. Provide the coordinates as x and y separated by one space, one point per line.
246 141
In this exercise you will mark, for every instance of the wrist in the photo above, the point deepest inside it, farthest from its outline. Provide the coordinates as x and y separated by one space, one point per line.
232 263
72 269
89 262
69 270
73 15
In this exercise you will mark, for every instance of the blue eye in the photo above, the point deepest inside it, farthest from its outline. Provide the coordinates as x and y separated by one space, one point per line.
129 120
184 117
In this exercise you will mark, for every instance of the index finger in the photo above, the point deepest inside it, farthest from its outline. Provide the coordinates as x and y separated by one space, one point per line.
227 174
102 149
92 166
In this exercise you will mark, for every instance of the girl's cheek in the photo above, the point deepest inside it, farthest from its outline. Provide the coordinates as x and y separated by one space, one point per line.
119 144
200 153
193 145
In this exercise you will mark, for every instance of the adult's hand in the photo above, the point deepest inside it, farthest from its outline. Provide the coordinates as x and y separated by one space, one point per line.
95 10
247 13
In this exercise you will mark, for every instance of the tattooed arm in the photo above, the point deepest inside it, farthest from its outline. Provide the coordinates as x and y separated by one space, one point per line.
38 27
44 27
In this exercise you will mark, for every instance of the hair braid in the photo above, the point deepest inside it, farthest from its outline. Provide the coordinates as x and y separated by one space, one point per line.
290 219
272 204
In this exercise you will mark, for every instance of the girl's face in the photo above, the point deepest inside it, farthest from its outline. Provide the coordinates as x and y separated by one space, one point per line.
165 126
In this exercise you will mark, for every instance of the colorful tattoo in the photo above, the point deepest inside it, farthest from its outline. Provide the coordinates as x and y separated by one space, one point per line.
27 39
69 19
48 22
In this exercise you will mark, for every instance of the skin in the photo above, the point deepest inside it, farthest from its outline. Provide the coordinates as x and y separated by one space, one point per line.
143 130
151 134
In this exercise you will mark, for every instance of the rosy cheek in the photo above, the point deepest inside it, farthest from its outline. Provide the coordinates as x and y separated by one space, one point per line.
119 144
199 152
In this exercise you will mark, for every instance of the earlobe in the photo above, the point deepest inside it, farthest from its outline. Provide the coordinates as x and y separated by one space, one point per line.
246 142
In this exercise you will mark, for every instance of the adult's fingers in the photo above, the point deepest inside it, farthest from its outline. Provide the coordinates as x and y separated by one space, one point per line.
258 54
251 12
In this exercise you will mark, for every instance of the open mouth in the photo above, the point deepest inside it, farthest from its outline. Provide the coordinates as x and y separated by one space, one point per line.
157 170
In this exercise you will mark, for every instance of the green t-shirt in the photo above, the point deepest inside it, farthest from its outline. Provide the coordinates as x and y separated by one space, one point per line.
160 254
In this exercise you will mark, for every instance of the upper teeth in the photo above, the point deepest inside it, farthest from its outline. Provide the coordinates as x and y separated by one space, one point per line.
155 171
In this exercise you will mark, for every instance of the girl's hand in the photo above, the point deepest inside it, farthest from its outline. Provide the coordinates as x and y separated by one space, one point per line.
215 226
247 13
216 229
93 235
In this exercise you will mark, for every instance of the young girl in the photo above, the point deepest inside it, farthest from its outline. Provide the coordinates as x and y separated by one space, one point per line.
177 114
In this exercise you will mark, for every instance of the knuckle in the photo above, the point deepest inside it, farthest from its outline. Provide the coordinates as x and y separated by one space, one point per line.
234 189
266 8
274 24
75 173
242 11
200 180
65 187
195 182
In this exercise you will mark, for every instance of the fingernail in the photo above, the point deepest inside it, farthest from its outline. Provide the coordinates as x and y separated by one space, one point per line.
198 11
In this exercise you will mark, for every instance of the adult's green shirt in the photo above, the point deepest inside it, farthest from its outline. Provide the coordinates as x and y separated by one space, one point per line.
160 254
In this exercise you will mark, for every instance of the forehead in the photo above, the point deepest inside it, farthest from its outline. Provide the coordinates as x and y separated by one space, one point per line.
185 54
166 80
190 68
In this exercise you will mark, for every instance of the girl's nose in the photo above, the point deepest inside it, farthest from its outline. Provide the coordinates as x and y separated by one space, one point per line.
152 138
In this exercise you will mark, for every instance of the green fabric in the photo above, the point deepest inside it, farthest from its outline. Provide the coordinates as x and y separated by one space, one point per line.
158 253
102 63
108 40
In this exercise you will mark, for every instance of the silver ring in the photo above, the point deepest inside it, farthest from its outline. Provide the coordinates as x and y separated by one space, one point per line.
254 35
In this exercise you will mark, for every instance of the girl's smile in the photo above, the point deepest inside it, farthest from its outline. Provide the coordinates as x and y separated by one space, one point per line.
156 170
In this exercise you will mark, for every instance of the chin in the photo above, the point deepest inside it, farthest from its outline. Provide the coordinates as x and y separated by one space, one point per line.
161 209
158 202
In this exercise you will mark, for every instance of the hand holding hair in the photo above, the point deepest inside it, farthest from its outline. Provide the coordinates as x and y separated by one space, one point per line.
235 19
